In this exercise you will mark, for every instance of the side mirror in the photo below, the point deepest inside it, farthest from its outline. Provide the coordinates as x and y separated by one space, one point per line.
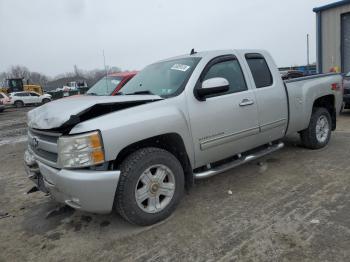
212 86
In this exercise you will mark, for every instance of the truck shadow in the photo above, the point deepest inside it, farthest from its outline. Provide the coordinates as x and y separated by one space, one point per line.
52 220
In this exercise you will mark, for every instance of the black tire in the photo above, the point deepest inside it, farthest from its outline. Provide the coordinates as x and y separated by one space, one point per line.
131 170
19 104
308 136
46 100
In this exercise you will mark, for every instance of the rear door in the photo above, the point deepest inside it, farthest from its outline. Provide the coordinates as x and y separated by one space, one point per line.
223 125
271 96
24 97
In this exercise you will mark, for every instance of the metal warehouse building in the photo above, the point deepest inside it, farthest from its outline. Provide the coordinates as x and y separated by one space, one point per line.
333 36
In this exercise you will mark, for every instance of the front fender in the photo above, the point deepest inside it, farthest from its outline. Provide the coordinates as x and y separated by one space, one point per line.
123 128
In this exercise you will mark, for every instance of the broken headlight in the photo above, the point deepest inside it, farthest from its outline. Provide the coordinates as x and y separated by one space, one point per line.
80 150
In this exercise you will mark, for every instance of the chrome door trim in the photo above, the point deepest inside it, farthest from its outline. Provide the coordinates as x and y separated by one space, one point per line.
228 138
273 125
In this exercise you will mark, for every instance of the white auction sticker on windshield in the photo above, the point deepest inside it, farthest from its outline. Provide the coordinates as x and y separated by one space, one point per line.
180 67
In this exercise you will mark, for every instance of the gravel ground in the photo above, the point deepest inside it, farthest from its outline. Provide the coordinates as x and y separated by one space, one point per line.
13 125
293 205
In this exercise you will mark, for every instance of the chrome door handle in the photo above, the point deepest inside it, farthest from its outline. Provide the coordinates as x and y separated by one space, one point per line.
246 102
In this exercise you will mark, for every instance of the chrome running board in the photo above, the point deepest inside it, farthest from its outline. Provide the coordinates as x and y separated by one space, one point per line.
242 159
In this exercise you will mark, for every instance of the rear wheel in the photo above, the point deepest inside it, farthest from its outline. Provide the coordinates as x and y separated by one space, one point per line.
19 104
318 133
150 186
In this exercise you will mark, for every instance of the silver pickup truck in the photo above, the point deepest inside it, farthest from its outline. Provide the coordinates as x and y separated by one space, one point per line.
180 119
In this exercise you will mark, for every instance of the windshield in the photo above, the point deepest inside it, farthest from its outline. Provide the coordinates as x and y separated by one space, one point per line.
105 86
165 79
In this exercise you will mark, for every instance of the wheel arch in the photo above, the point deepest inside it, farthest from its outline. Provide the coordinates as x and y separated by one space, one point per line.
172 142
18 100
327 102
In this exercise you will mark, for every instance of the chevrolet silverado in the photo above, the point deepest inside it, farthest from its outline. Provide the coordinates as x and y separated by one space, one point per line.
178 120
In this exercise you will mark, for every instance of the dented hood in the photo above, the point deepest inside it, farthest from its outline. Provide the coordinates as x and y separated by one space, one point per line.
69 111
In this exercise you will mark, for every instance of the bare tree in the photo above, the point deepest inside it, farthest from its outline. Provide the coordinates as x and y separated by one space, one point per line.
19 72
38 78
3 77
90 76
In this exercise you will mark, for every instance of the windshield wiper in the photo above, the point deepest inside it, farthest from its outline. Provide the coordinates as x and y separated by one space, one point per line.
92 94
143 92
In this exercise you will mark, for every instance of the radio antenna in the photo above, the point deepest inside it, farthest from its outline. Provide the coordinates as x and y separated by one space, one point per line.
104 63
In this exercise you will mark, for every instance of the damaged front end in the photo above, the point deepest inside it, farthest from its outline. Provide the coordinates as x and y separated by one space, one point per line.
86 187
33 172
61 115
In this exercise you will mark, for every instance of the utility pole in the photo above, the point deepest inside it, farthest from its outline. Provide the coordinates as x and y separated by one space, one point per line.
308 53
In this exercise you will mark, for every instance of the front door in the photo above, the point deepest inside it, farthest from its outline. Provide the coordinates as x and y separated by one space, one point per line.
34 98
226 124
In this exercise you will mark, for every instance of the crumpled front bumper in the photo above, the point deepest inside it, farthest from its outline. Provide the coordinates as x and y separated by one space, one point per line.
84 189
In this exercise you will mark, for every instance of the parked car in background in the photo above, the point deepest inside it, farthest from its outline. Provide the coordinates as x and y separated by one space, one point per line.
111 84
184 118
20 99
346 86
73 85
291 74
4 99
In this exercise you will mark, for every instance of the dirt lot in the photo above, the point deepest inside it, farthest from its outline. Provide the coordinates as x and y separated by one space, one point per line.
293 205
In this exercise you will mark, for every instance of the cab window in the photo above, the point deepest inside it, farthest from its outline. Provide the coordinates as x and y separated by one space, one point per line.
260 70
231 70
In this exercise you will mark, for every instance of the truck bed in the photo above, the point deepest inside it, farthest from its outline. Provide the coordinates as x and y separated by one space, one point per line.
302 92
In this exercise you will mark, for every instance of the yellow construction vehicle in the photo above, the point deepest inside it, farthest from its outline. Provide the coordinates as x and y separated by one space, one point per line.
16 85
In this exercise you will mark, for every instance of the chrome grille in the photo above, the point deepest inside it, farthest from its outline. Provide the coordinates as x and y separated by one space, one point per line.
43 145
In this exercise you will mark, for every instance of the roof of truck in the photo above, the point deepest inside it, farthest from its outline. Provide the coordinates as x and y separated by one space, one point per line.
213 53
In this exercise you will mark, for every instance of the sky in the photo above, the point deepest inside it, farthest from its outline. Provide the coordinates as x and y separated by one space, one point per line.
51 36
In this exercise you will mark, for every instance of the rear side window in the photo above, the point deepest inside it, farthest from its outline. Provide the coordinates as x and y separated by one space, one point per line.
1 96
260 70
230 70
21 94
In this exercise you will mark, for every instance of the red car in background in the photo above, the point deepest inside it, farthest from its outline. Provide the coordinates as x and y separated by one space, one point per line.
111 84
5 99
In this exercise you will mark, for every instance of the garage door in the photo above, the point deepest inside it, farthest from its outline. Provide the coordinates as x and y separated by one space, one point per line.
345 42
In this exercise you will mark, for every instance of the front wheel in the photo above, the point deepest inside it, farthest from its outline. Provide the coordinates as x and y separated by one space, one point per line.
151 185
46 100
318 133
